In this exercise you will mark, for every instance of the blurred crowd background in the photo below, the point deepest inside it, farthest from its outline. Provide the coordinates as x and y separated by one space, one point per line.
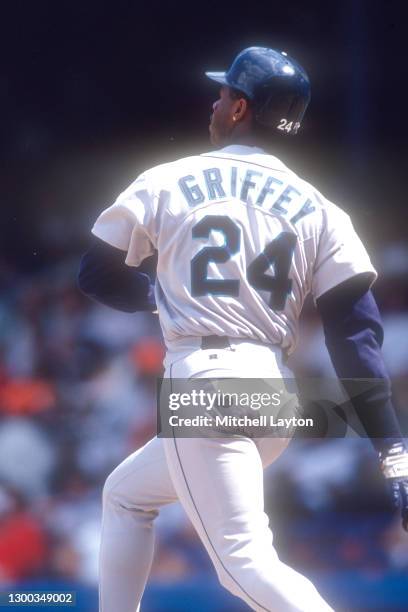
90 97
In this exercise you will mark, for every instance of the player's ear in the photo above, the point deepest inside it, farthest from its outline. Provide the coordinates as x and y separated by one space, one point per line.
240 109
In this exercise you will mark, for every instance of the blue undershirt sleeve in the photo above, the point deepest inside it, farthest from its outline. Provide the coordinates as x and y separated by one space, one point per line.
104 277
354 335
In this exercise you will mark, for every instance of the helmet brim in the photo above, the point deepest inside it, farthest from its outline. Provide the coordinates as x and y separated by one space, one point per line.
218 77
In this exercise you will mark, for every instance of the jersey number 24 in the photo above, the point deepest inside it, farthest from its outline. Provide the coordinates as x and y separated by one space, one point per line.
277 254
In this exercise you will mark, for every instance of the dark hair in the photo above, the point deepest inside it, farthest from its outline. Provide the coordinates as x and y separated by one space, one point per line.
236 93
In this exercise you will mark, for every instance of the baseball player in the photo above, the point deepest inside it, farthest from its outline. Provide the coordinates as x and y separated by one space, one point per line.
240 240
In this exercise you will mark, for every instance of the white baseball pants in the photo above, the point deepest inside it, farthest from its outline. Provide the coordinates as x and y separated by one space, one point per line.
219 482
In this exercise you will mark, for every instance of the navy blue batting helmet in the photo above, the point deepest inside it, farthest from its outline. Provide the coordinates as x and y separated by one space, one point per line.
275 84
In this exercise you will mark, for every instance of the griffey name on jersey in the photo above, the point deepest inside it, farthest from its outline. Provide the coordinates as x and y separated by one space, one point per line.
261 188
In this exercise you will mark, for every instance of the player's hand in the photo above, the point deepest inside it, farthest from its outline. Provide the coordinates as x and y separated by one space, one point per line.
394 465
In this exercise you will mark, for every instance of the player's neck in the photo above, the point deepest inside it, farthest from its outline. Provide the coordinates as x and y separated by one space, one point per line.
247 139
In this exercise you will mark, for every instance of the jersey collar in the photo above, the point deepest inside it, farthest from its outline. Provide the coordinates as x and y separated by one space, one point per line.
236 149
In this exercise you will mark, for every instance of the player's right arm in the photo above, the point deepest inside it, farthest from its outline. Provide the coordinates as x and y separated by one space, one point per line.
354 334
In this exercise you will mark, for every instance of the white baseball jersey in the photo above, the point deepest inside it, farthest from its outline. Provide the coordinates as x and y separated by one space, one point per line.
241 241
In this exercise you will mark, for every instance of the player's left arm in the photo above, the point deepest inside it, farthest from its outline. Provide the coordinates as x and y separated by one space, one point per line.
105 277
354 335
115 269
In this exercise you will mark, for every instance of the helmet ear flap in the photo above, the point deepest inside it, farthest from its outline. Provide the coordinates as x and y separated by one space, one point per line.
285 115
279 105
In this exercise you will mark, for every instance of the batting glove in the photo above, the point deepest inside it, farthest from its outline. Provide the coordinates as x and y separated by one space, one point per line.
394 465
